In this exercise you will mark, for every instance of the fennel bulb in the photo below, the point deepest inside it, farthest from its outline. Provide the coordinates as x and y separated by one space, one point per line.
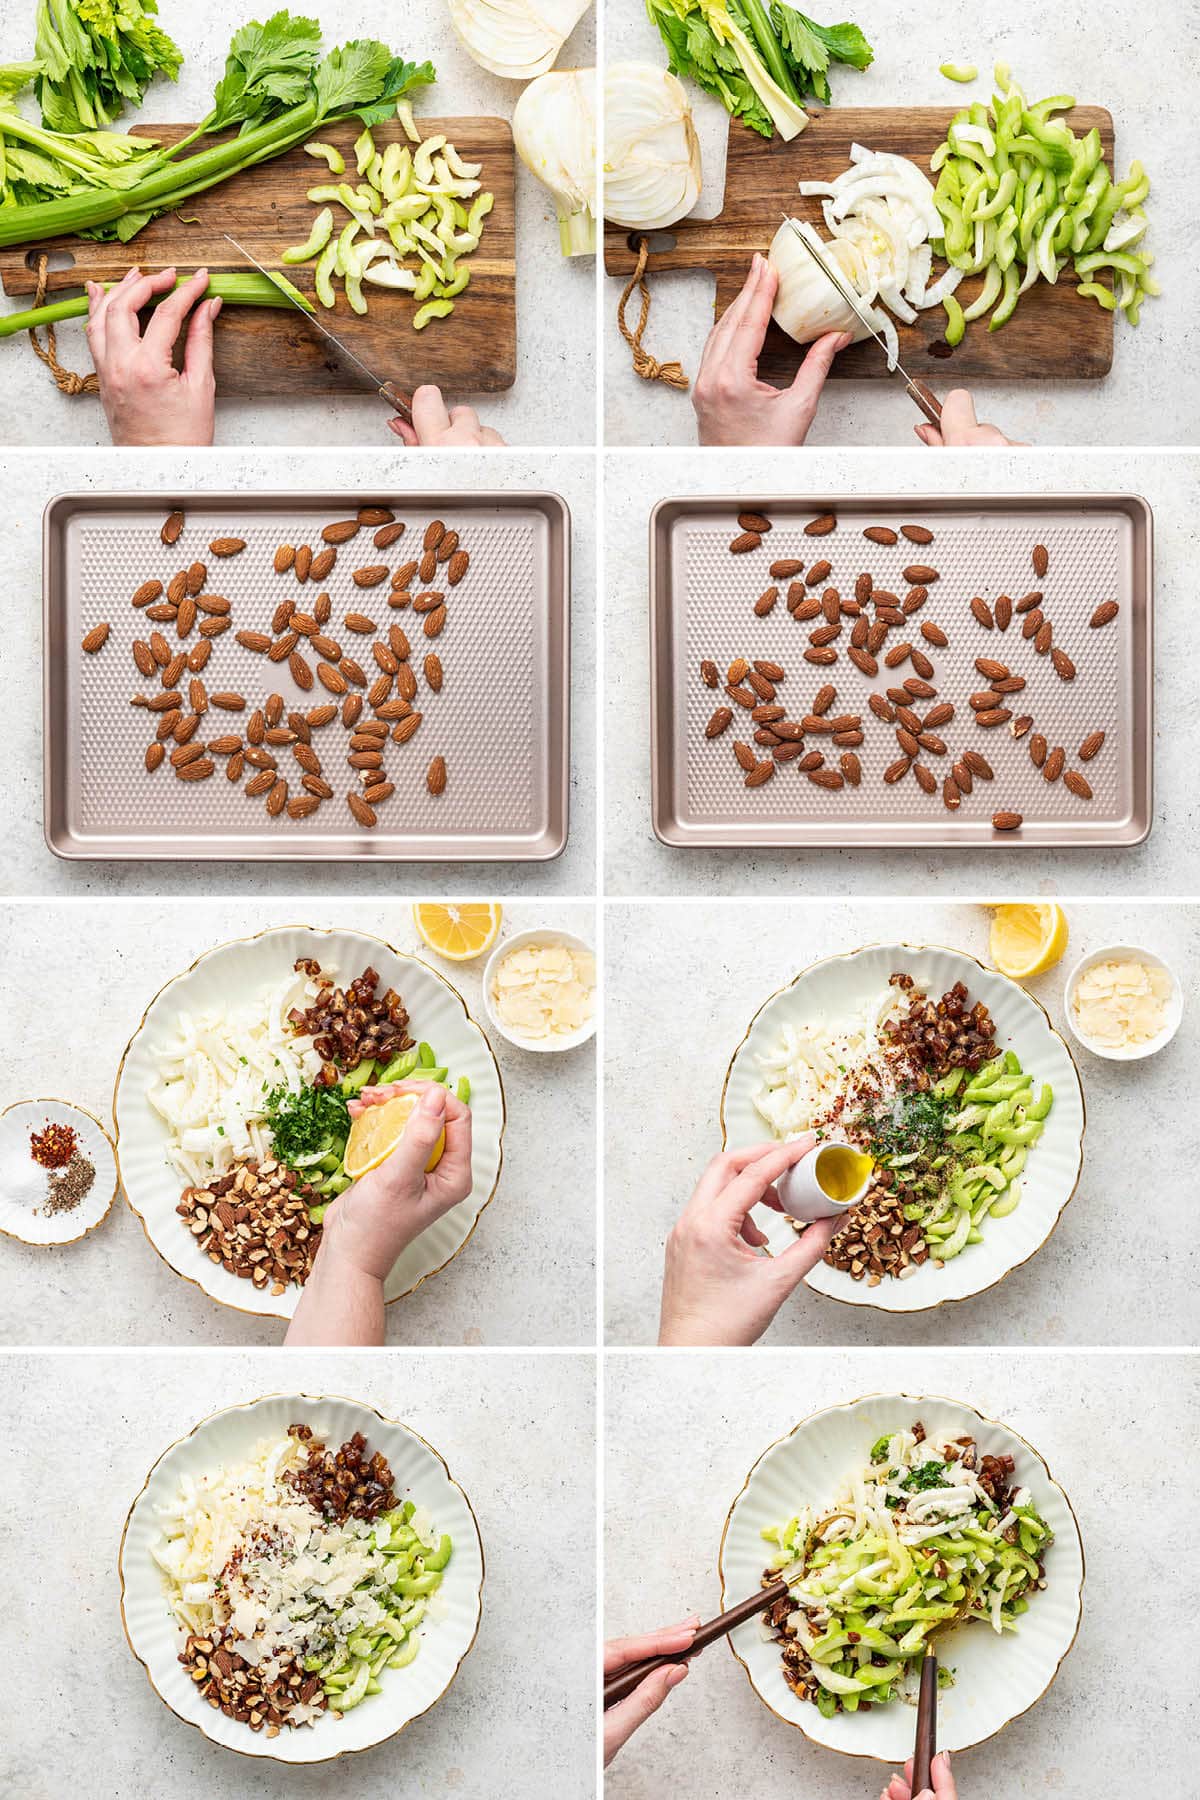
516 38
554 129
651 152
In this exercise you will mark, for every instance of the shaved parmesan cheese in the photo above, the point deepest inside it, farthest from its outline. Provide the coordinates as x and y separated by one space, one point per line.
544 990
1122 1004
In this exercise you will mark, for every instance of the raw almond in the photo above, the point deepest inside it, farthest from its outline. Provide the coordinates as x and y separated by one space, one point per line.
833 779
285 558
1077 784
933 634
765 602
825 634
300 672
925 778
341 532
760 775
375 515
994 715
876 636
370 577
977 765
174 669
96 639
896 655
449 544
1037 749
1028 601
907 741
435 775
863 660
963 778
1041 560
743 695
990 669
227 546
403 729
824 699
1007 821
919 688
406 682
387 536
1054 763
914 600
787 567
817 574
365 759
307 758
177 587
434 622
922 665
982 612
805 609
261 783
920 575
235 766
283 647
821 656
822 526
185 754
1020 726
227 702
331 678
155 754
402 650
880 534
1044 638
327 647
257 641
1104 614
435 531
200 770
941 714
883 709
862 589
277 799
1004 612
171 528
1063 666
317 786
351 708
303 563
167 723
745 757
198 656
746 540
457 567
916 534
225 746
273 710
1009 684
720 721
302 806
1091 745
212 628
379 690
149 590
197 575
321 566
896 771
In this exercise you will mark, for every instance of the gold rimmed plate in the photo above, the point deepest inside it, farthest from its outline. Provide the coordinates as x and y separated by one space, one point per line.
996 1679
437 1012
839 989
420 1473
23 1213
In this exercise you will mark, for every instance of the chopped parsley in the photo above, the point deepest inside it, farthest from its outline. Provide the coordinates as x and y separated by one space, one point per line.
928 1475
306 1123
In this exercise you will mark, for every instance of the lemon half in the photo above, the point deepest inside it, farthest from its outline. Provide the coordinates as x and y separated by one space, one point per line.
376 1132
1028 937
458 930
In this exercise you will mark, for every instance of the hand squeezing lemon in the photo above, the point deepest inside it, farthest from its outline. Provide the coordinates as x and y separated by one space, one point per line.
377 1130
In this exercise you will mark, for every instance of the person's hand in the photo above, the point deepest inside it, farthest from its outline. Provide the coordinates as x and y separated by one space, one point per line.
732 405
146 399
717 1289
375 1220
899 1788
622 1720
435 428
960 429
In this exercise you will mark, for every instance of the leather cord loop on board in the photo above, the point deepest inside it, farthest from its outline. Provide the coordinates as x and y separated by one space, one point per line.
65 381
643 363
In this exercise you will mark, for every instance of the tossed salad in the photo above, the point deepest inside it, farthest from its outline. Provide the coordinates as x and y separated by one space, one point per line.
921 1537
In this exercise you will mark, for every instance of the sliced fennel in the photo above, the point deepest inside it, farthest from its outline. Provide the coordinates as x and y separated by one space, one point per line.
554 129
519 39
651 152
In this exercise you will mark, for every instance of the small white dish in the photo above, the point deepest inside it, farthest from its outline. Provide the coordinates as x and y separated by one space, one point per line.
24 1217
419 1472
521 941
1123 953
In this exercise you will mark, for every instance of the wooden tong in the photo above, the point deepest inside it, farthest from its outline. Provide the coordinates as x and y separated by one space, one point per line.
620 1685
925 1748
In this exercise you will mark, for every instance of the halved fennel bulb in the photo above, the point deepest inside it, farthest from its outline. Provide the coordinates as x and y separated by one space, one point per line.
651 152
516 38
881 216
554 129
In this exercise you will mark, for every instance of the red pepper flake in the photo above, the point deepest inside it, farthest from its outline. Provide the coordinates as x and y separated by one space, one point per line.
54 1147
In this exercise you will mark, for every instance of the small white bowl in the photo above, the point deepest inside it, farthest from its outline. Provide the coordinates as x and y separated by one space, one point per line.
521 941
18 1219
1124 953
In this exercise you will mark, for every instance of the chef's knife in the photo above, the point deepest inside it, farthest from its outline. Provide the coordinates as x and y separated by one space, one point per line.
399 402
924 396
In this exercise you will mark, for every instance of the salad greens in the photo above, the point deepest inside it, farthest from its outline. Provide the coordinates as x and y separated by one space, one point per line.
923 1538
276 88
760 58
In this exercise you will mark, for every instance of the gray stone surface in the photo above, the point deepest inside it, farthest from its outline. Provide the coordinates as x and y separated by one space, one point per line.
1118 1432
28 480
79 977
636 863
81 1434
1143 66
555 295
683 982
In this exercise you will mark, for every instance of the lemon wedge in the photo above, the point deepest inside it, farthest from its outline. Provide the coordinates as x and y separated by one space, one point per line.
1028 937
376 1132
459 931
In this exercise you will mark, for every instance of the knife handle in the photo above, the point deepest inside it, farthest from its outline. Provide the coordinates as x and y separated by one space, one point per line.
927 400
398 401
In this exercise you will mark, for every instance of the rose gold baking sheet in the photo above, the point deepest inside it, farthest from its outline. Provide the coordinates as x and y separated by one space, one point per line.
1101 548
501 720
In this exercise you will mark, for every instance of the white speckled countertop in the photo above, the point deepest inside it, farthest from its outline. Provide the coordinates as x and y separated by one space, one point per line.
79 977
1168 862
1118 1432
1144 66
29 479
517 1433
556 356
684 980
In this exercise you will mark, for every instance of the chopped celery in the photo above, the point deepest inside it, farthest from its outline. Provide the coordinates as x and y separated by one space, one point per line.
958 71
320 235
328 153
433 309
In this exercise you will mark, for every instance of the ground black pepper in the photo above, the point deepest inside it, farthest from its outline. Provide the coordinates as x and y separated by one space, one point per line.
74 1184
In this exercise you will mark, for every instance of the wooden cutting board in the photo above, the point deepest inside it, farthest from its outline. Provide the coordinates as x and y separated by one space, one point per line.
263 351
1052 333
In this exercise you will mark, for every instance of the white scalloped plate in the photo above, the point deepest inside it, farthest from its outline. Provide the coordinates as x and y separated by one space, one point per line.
838 987
996 1679
437 1013
419 1473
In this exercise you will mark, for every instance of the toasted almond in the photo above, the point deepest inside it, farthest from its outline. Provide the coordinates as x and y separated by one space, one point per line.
1104 614
285 558
300 672
1038 748
200 770
760 774
370 577
155 755
379 690
449 544
327 647
1078 784
172 526
387 535
917 534
149 590
174 669
307 758
166 724
364 814
341 532
318 786
754 521
302 805
96 639
963 779
365 759
977 765
1091 745
321 566
880 534
990 669
185 754
277 799
1003 612
1064 668
212 628
351 708
1041 560
982 612
925 778
406 728
1020 727
745 540
435 622
261 783
863 660
225 746
227 546
197 575
303 563
331 678
258 641
719 722
920 575
1007 821
198 656
1054 764
765 602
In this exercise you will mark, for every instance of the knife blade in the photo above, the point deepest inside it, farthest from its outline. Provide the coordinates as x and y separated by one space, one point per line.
399 402
921 393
